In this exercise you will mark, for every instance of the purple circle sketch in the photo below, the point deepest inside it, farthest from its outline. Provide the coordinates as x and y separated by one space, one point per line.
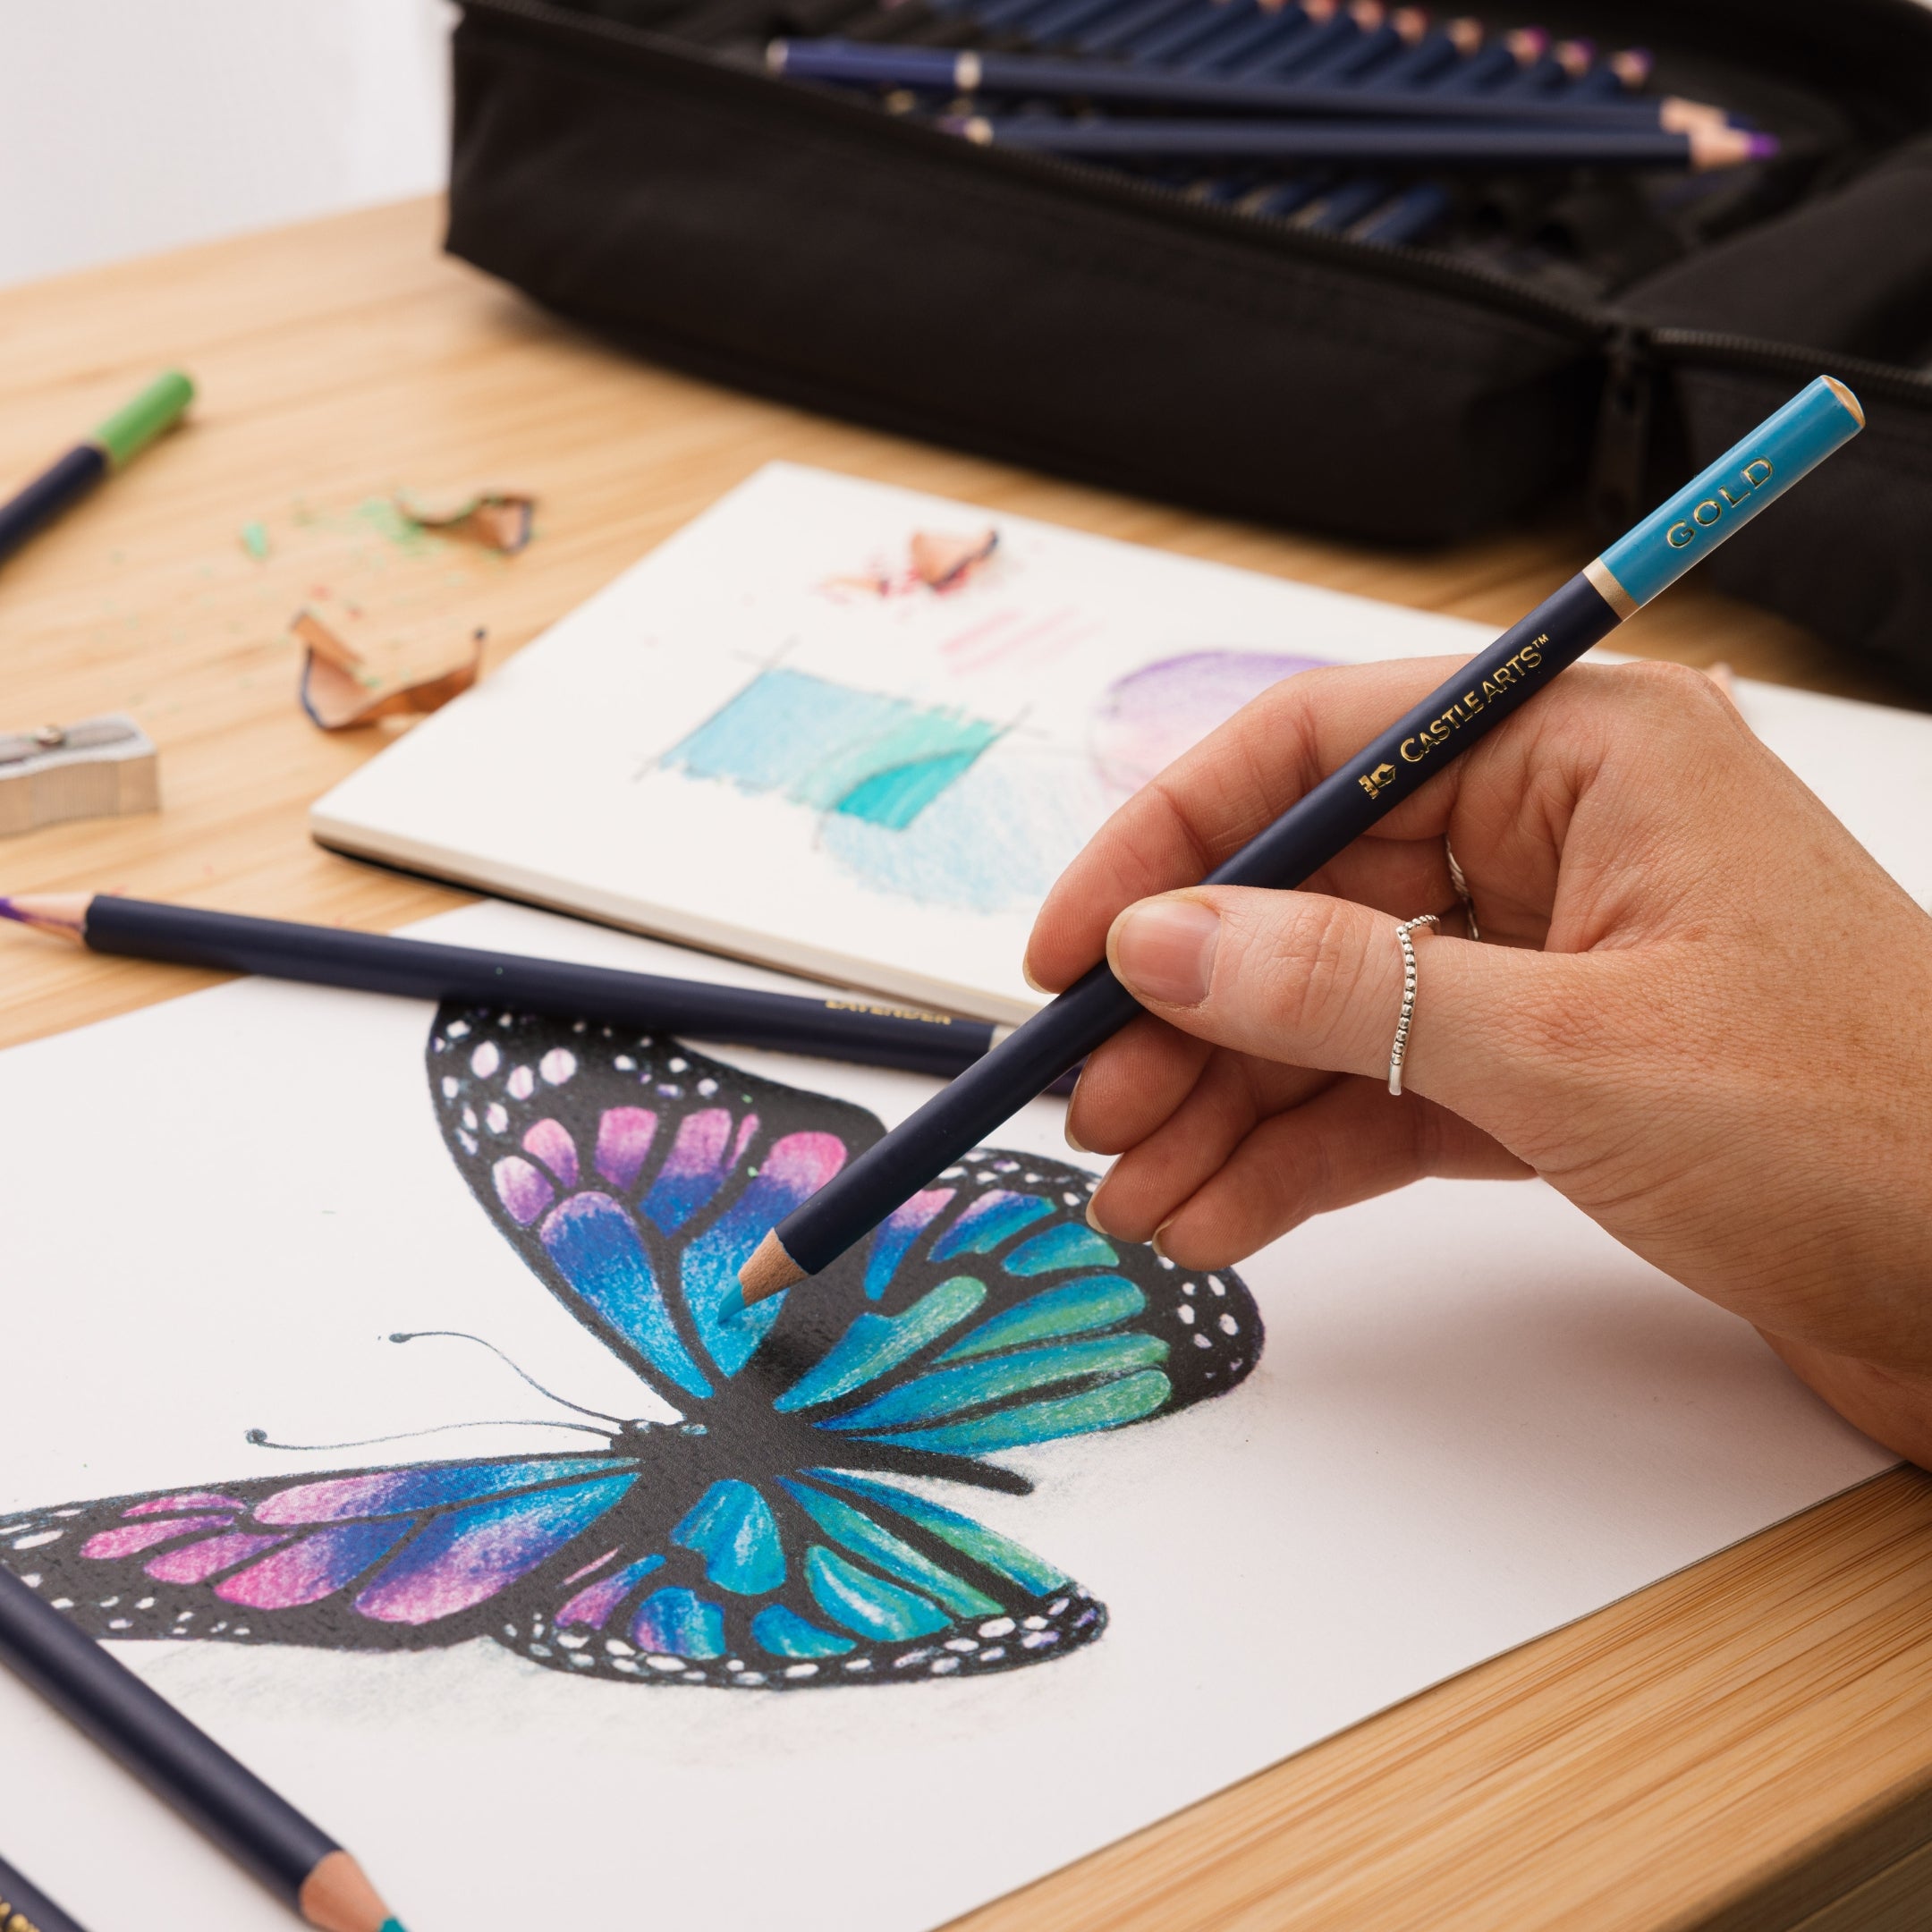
1143 722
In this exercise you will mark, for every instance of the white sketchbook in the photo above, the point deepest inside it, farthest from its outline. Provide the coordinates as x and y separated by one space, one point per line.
563 1688
775 738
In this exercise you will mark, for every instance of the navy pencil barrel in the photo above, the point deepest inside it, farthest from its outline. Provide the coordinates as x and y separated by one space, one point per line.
415 969
56 488
146 1733
1424 144
1418 744
24 1903
1325 821
1033 75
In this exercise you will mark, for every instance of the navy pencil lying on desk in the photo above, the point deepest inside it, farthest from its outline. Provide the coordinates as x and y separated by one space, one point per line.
1820 418
831 1026
257 1827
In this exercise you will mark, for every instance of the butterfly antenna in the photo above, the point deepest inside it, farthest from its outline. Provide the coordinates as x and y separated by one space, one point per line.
259 1437
457 1334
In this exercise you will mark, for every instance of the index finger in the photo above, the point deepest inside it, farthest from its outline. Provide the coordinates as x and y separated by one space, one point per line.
1212 800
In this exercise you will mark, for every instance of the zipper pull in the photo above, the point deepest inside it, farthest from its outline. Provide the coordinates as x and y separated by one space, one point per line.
1620 456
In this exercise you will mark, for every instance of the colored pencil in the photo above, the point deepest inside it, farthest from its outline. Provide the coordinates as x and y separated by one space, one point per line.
841 1026
257 1827
113 446
1045 77
1820 420
1426 144
24 1907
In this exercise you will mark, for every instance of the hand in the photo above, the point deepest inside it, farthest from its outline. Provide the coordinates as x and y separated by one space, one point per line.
1699 1008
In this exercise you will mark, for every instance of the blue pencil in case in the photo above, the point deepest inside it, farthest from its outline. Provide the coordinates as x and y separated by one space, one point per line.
1039 76
1822 418
1433 145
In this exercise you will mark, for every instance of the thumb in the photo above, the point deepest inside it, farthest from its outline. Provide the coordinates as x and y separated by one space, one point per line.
1317 982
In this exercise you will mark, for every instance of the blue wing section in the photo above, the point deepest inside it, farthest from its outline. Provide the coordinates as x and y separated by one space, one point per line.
989 1315
634 1176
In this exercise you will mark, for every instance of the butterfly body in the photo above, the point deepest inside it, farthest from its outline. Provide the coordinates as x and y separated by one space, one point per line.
773 1525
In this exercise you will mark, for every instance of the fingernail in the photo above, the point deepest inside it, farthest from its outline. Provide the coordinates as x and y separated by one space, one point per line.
1165 949
1154 1240
1093 1218
1066 1133
1026 973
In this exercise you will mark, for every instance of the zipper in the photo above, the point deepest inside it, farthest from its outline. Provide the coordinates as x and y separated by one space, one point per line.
1885 380
1614 494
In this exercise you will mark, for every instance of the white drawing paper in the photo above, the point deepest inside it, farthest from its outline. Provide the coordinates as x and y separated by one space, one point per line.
1475 1418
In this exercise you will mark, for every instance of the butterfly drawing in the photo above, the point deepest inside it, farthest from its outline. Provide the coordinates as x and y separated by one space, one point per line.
780 1532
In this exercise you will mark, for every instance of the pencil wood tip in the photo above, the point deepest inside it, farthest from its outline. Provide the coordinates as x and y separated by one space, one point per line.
61 913
768 1271
1849 400
336 1897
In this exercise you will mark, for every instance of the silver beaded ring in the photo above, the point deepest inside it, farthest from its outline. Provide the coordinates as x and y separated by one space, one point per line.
1399 1052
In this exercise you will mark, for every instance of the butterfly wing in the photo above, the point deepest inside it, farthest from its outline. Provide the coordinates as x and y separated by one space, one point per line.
807 1580
987 1315
634 1176
395 1558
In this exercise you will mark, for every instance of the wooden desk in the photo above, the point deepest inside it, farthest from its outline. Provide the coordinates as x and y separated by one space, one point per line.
1744 1748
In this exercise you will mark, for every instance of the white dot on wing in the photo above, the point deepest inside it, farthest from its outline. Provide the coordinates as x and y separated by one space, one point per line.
484 1061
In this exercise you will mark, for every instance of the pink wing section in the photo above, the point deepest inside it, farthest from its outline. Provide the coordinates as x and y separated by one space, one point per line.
623 1143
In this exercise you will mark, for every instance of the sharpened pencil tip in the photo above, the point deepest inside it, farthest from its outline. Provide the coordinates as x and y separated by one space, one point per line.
61 913
768 1271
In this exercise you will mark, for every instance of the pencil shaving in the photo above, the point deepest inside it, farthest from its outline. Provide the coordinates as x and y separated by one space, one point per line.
498 520
341 692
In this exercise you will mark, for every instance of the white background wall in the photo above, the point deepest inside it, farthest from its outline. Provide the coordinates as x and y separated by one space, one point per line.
131 125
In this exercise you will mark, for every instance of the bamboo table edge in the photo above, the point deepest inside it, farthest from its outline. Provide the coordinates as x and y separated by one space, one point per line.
1741 1746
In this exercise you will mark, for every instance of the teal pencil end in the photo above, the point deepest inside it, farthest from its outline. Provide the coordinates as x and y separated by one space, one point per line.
392 1925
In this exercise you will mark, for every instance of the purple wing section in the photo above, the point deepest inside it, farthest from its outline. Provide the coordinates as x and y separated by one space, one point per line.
333 1559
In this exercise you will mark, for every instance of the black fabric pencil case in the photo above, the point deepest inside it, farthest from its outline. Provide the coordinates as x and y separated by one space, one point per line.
632 165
